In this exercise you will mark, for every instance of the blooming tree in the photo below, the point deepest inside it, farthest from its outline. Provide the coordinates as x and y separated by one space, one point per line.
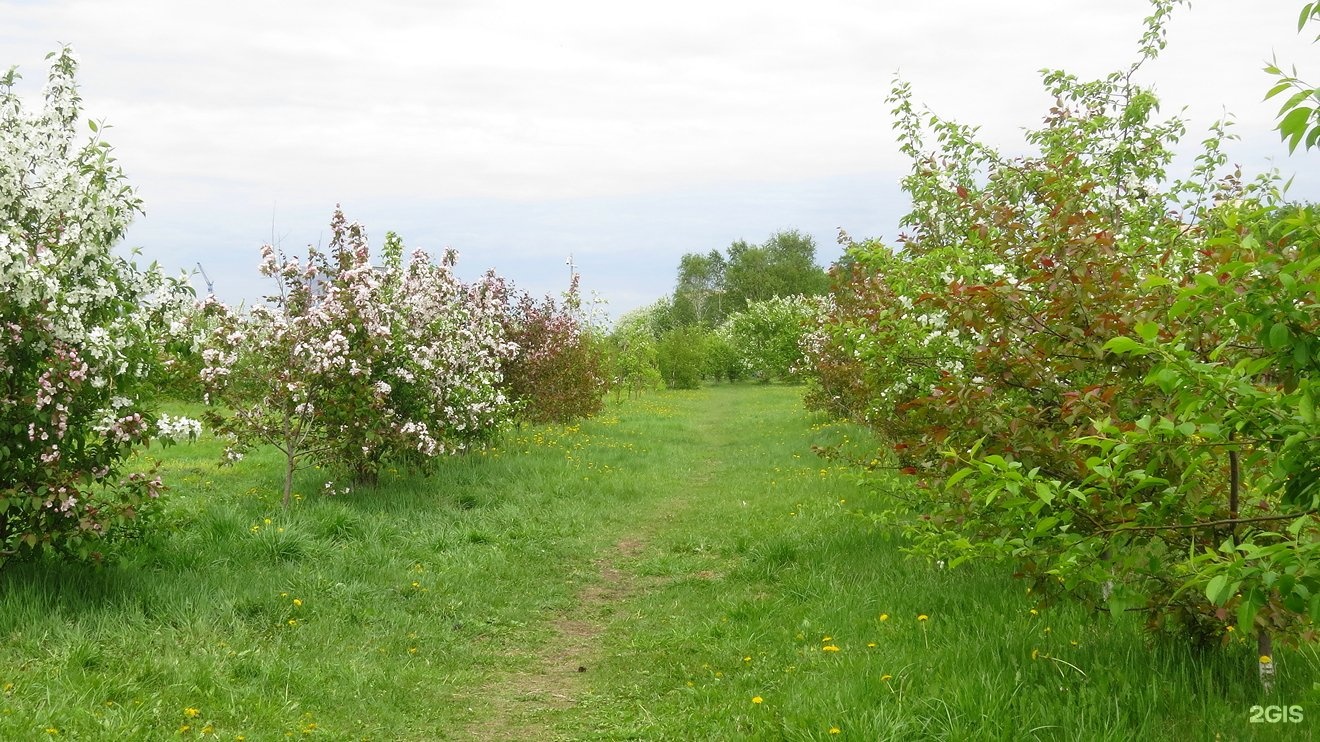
77 326
767 336
353 365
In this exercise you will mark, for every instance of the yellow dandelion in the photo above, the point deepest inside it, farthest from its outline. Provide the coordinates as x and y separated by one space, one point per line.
923 617
293 622
872 645
748 658
835 730
412 650
183 728
1035 654
1034 612
190 712
52 730
827 638
297 603
1231 629
757 699
829 648
208 729
1265 659
886 678
884 616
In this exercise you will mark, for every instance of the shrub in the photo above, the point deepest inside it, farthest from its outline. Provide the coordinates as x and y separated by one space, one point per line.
78 324
1097 372
558 373
354 366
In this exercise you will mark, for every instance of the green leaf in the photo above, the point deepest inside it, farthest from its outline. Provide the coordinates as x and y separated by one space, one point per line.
1279 336
957 477
1306 408
1295 101
1148 330
1215 587
1277 89
1124 345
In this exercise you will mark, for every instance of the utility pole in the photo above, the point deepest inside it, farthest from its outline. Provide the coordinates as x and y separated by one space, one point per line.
572 267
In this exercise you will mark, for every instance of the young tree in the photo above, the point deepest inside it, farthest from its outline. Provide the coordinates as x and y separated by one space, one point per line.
558 373
353 366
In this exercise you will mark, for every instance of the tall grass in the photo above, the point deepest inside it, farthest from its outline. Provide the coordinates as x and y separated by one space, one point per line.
391 613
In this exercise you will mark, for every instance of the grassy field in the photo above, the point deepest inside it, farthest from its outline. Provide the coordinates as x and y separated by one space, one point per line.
682 567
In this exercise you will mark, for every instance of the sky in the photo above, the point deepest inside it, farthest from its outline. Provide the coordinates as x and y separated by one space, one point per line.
622 134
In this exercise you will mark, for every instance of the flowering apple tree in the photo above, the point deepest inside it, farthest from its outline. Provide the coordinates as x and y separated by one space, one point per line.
78 324
352 365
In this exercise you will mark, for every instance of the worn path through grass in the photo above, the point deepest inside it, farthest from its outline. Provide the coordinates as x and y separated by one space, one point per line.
690 436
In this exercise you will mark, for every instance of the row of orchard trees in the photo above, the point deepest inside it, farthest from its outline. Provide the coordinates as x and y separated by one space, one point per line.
356 366
1103 373
349 364
736 315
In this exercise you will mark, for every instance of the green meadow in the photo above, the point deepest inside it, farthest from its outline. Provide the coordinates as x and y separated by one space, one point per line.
682 567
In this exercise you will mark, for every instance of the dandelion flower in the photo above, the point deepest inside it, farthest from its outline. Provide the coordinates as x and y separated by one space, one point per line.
886 678
884 616
1035 654
190 712
872 645
1265 659
297 603
1034 612
835 730
757 699
829 648
923 617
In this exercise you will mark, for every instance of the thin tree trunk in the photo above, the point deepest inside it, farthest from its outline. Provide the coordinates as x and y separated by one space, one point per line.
289 462
1265 648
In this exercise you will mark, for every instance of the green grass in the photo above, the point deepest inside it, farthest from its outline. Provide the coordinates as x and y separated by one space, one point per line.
396 613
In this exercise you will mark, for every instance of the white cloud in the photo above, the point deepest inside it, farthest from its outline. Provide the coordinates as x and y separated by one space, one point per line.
225 112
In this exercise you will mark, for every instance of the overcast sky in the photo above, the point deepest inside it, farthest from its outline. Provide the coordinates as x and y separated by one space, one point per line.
626 134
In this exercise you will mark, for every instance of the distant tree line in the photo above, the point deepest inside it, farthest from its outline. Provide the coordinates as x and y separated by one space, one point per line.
734 314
